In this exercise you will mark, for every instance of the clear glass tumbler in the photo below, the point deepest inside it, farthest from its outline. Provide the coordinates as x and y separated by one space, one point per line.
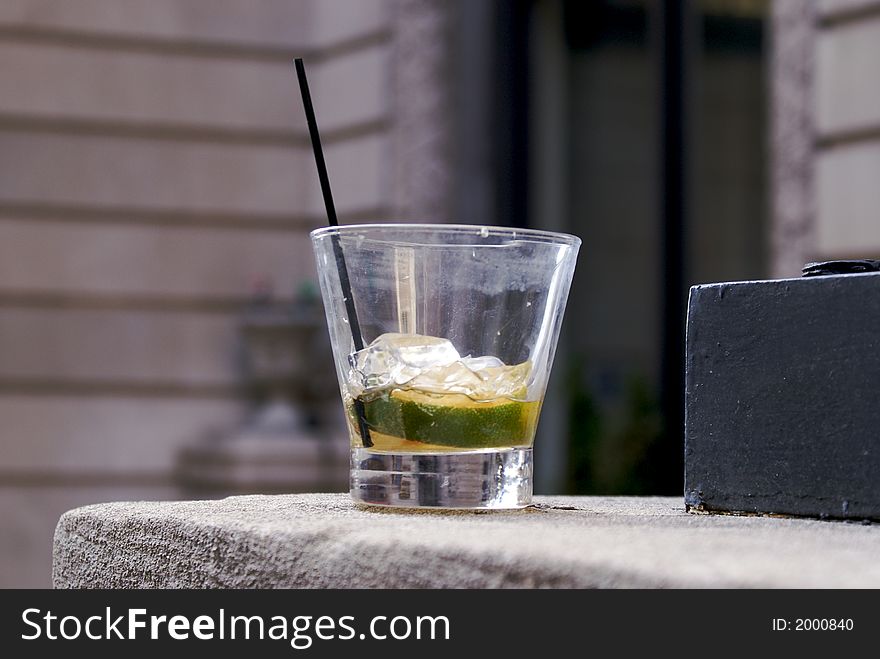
444 362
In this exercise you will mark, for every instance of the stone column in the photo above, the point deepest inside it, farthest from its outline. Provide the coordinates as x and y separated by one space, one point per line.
792 136
422 134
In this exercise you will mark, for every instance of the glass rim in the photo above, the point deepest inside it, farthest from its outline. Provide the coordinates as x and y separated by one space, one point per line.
517 233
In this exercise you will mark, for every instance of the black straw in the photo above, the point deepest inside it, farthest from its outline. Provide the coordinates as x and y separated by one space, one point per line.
337 246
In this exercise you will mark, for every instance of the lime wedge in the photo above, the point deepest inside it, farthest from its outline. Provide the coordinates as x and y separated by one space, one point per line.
453 420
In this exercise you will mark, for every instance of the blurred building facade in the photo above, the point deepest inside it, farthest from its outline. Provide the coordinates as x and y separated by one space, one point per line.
155 168
826 125
599 168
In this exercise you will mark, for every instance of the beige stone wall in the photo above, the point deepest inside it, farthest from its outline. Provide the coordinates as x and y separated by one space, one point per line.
154 161
848 129
826 146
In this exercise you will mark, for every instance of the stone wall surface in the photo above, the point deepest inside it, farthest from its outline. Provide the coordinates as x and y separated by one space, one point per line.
325 541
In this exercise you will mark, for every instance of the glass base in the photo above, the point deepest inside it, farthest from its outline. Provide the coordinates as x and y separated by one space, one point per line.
493 479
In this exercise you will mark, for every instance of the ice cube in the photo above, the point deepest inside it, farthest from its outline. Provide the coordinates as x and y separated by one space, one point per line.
451 379
479 363
432 364
395 359
503 381
486 383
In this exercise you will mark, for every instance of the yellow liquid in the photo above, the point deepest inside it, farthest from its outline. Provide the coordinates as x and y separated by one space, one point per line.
412 421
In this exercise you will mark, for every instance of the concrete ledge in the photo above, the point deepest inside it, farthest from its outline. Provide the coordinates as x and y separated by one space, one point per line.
324 541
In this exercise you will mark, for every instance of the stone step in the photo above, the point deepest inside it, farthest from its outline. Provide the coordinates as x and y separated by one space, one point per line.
325 541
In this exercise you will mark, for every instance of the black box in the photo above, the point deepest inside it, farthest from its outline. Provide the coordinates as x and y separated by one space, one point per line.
782 397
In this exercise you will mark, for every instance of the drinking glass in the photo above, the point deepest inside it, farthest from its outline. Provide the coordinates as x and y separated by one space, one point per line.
443 337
